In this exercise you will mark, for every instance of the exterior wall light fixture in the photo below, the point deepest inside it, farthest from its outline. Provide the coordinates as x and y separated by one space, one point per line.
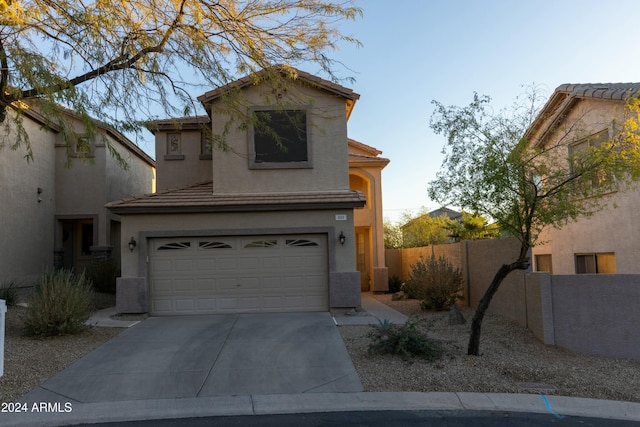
132 244
342 238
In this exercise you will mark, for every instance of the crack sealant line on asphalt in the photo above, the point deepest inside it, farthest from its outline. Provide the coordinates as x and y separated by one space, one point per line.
217 356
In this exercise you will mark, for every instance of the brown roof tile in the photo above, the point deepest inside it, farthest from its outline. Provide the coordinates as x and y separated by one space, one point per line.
613 91
299 75
200 198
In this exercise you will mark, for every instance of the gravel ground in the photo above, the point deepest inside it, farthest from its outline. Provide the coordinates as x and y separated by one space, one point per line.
512 359
511 356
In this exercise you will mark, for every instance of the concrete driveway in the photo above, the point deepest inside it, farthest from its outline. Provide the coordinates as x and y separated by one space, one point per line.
210 355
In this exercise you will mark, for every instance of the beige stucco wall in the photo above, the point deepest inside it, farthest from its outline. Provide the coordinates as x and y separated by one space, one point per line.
371 214
177 172
84 187
610 230
137 179
327 135
26 234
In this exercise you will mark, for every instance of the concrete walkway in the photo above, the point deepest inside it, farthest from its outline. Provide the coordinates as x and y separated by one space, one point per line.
373 311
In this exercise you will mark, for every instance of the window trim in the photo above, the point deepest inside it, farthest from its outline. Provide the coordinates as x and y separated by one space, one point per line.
174 154
206 138
546 257
308 164
594 255
82 154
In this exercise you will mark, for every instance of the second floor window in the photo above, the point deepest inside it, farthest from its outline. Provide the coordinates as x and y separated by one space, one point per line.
280 139
83 148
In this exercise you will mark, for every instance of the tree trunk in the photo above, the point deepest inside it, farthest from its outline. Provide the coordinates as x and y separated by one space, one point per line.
476 324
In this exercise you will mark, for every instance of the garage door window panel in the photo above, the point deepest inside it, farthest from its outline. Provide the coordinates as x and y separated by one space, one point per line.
297 243
214 245
262 244
175 246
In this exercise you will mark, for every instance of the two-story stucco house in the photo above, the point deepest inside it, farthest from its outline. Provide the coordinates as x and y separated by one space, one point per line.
52 206
265 224
609 240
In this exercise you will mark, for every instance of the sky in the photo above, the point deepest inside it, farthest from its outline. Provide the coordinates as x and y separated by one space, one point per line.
416 51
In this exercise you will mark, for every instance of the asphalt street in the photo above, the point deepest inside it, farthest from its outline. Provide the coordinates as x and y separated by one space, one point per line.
386 418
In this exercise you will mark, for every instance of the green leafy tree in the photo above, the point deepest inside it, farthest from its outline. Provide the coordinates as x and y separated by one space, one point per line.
119 61
491 168
424 230
392 234
473 227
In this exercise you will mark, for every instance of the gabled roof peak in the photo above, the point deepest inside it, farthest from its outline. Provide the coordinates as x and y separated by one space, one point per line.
289 72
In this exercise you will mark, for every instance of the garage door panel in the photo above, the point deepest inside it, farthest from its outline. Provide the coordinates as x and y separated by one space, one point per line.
184 305
272 263
183 285
206 305
239 274
161 265
252 263
249 303
205 265
226 284
206 284
248 283
162 306
184 265
162 285
226 264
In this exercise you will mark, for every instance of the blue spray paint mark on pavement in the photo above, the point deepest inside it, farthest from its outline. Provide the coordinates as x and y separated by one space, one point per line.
549 408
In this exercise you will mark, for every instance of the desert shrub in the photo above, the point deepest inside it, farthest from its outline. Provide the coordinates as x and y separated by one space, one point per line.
404 340
9 293
435 282
103 274
60 305
394 284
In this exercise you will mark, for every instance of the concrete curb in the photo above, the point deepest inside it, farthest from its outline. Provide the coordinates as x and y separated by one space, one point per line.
558 406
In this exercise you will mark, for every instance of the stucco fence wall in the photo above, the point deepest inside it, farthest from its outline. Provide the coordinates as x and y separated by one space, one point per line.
587 313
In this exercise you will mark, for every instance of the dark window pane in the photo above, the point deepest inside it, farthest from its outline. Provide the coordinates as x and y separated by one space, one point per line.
280 136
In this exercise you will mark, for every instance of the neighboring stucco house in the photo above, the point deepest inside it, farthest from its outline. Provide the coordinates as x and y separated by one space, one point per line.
52 207
608 241
266 224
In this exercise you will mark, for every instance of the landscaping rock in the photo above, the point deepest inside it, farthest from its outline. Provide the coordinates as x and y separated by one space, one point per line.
399 296
455 317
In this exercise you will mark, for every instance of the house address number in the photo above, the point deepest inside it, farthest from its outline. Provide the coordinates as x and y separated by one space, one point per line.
341 217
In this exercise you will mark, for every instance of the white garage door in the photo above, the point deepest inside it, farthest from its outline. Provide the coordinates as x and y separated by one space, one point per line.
198 275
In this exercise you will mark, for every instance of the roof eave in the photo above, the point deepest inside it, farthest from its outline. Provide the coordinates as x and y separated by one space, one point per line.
147 210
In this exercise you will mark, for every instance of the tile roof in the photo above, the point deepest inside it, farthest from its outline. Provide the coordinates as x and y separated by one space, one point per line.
200 198
287 70
567 95
180 123
363 160
613 91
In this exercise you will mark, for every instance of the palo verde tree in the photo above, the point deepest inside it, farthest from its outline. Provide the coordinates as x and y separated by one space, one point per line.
121 61
491 167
